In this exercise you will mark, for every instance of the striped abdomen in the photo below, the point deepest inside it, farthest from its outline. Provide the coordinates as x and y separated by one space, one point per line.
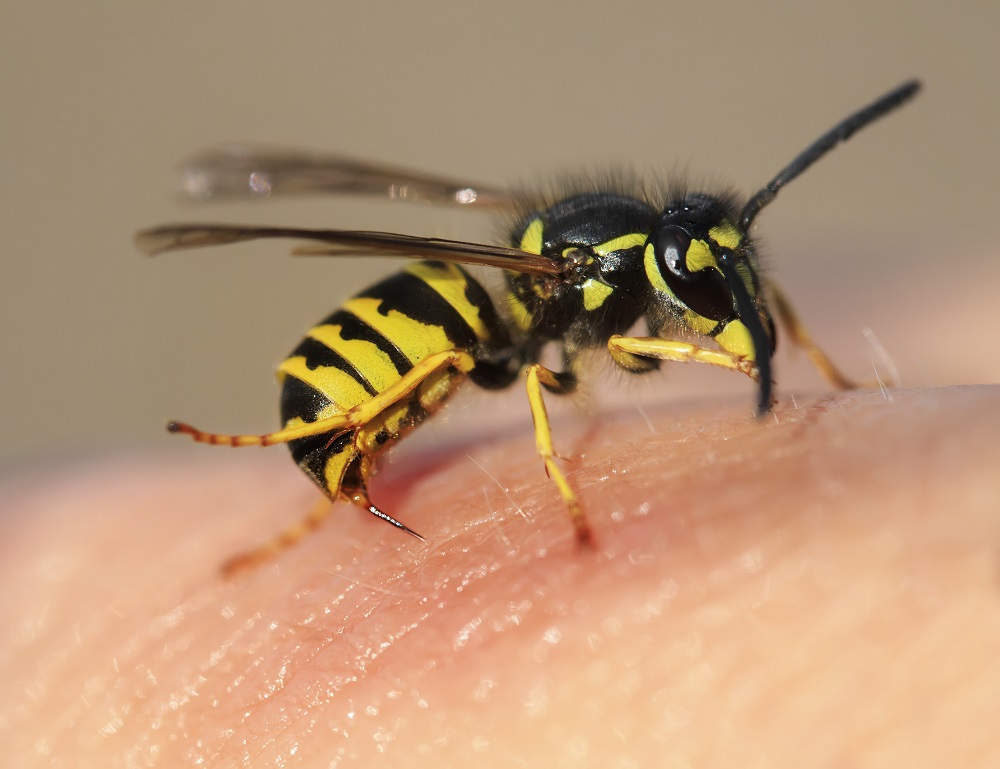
368 345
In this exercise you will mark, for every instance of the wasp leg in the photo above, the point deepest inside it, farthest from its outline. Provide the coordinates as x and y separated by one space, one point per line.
789 320
352 488
293 534
628 352
538 376
317 514
340 423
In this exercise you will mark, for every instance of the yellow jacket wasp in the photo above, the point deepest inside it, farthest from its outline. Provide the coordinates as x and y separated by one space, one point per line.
580 272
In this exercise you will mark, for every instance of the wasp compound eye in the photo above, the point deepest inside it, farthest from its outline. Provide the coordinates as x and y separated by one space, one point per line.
671 246
581 271
702 289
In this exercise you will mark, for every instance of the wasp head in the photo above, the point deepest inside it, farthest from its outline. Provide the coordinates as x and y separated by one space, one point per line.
703 268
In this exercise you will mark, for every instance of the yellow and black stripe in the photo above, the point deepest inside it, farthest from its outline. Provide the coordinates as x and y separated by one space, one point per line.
371 343
582 271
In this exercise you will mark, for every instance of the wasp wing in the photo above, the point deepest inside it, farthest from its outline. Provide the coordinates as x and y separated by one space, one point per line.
240 171
175 237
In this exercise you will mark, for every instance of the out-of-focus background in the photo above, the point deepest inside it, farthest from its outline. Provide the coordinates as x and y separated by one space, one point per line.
896 231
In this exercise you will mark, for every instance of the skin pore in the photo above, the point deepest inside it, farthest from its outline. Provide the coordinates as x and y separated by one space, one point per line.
816 589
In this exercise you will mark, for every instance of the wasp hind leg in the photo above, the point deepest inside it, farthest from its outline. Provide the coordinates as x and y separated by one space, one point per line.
355 417
334 425
290 536
358 460
353 491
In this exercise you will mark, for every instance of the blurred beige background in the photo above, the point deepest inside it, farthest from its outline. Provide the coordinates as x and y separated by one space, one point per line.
101 345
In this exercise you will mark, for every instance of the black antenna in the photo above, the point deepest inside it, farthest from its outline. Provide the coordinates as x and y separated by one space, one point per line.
839 133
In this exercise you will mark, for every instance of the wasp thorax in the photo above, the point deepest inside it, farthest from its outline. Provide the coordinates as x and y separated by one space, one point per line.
581 271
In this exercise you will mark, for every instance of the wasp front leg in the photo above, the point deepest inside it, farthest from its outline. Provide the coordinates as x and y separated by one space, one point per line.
632 354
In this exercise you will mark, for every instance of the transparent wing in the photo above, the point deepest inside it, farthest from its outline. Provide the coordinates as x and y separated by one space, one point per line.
175 237
240 171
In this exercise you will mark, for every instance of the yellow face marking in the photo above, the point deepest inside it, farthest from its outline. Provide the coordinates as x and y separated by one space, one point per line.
726 235
595 293
653 271
531 240
415 340
736 339
449 281
337 385
699 323
621 243
699 256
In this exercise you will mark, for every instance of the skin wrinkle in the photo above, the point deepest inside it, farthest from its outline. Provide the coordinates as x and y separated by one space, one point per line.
781 613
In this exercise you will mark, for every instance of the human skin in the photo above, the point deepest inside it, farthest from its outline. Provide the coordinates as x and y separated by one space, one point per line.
817 588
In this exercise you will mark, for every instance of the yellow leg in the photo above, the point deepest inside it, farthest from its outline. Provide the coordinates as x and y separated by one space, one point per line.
349 420
539 377
293 534
800 337
628 352
287 538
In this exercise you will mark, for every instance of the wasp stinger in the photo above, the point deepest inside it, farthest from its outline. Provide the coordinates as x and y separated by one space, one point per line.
580 272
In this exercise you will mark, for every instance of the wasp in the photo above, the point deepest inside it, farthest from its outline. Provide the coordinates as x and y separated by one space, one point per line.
580 272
